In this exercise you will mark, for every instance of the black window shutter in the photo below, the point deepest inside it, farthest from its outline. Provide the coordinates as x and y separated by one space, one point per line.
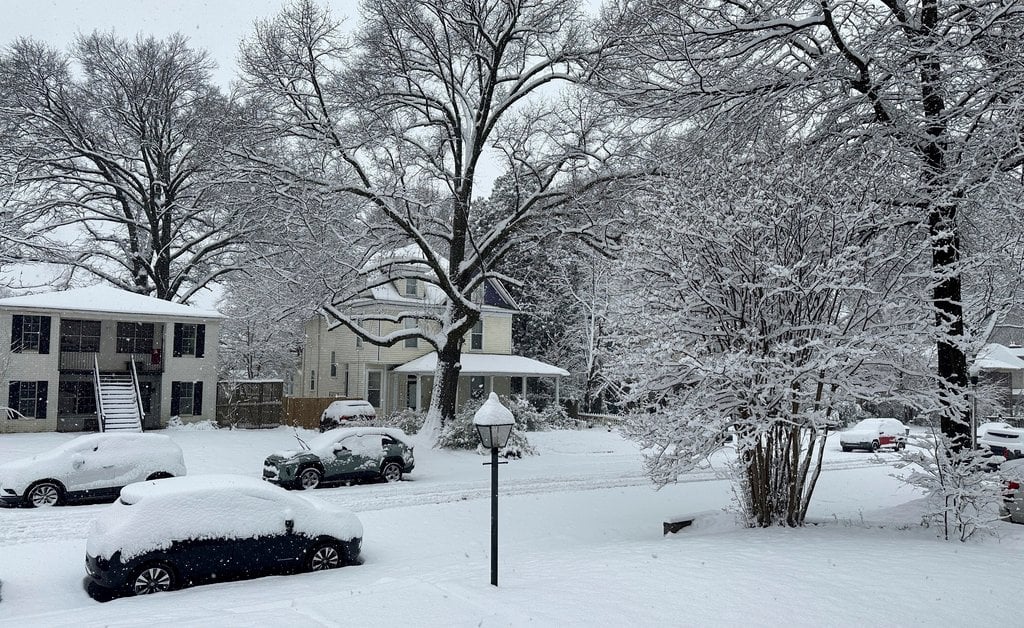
16 323
41 393
14 395
177 340
44 334
197 391
175 398
200 340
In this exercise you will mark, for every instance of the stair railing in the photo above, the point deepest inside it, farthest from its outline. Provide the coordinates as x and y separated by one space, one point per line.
138 393
100 414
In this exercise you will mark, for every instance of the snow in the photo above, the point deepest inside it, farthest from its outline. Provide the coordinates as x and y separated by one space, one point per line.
491 412
96 461
581 544
108 300
485 364
151 515
996 357
349 408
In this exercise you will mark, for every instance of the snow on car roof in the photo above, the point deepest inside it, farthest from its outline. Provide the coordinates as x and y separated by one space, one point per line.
109 300
330 437
153 515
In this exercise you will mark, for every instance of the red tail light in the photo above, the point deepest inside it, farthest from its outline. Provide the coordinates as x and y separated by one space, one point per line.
1012 486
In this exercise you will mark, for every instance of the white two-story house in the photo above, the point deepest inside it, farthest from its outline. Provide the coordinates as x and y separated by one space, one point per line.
337 363
59 352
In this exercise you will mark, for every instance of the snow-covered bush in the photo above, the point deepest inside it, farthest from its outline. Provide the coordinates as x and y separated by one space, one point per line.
962 494
409 421
460 433
552 417
176 424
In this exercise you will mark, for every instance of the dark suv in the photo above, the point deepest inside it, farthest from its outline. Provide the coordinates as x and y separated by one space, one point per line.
343 455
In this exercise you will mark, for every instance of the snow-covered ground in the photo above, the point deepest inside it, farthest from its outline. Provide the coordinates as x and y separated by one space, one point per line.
581 543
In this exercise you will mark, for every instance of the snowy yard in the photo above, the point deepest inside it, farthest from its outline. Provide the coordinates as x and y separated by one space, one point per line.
581 544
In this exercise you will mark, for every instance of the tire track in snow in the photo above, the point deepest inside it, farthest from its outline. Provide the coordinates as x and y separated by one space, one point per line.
24 525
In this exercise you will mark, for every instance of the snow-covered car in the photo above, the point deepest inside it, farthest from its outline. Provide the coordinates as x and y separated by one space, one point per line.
344 410
1012 508
343 455
873 434
175 533
995 425
93 467
1007 442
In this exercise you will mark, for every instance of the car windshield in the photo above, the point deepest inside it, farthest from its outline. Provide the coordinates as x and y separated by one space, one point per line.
323 442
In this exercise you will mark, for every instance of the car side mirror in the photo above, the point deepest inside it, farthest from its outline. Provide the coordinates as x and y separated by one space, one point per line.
78 461
341 450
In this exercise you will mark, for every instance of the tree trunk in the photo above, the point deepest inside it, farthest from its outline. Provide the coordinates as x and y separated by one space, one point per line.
446 380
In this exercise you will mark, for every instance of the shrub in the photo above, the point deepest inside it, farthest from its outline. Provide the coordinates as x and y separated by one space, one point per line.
460 433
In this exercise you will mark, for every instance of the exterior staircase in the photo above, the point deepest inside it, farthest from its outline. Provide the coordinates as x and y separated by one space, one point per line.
118 403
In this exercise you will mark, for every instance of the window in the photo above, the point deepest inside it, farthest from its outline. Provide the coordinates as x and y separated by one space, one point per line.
28 398
135 338
374 380
410 286
476 386
79 336
411 342
346 380
411 392
186 398
334 364
30 334
312 380
476 336
189 339
75 398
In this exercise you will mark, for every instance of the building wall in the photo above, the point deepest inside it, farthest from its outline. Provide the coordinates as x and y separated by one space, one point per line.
360 357
46 367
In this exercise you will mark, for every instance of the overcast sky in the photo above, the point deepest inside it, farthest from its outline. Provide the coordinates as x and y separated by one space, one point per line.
215 25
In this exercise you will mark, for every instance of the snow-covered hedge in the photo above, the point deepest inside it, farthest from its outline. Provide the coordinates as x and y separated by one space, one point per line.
461 434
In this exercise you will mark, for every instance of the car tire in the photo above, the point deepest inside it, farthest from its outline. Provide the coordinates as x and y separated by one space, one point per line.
309 478
44 494
874 446
847 449
391 472
325 556
159 475
152 578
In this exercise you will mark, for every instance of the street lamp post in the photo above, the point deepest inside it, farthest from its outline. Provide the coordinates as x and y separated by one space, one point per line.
974 412
493 423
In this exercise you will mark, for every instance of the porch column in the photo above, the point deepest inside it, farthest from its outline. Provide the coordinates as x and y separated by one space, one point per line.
419 392
558 382
524 386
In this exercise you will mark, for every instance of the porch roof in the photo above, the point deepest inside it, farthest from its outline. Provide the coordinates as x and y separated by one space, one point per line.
486 364
996 357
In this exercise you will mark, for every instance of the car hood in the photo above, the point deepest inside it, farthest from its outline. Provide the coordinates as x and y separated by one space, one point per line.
290 455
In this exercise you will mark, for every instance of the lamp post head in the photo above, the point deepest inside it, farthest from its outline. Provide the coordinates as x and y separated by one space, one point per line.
493 423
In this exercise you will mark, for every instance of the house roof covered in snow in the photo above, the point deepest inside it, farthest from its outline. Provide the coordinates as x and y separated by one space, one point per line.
996 357
106 300
389 264
486 364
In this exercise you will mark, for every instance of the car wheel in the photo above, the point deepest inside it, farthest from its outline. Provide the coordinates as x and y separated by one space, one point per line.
324 556
159 475
874 446
847 449
309 479
152 578
392 472
44 494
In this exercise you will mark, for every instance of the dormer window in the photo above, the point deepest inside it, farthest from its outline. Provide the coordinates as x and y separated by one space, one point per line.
410 287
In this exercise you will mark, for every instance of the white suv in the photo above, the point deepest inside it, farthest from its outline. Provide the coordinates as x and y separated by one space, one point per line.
91 467
1007 441
873 434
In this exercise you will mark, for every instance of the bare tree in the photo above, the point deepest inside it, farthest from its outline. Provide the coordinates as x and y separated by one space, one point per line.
121 168
935 86
405 117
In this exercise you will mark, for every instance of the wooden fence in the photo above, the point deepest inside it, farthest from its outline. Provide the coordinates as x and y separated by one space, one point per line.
306 411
